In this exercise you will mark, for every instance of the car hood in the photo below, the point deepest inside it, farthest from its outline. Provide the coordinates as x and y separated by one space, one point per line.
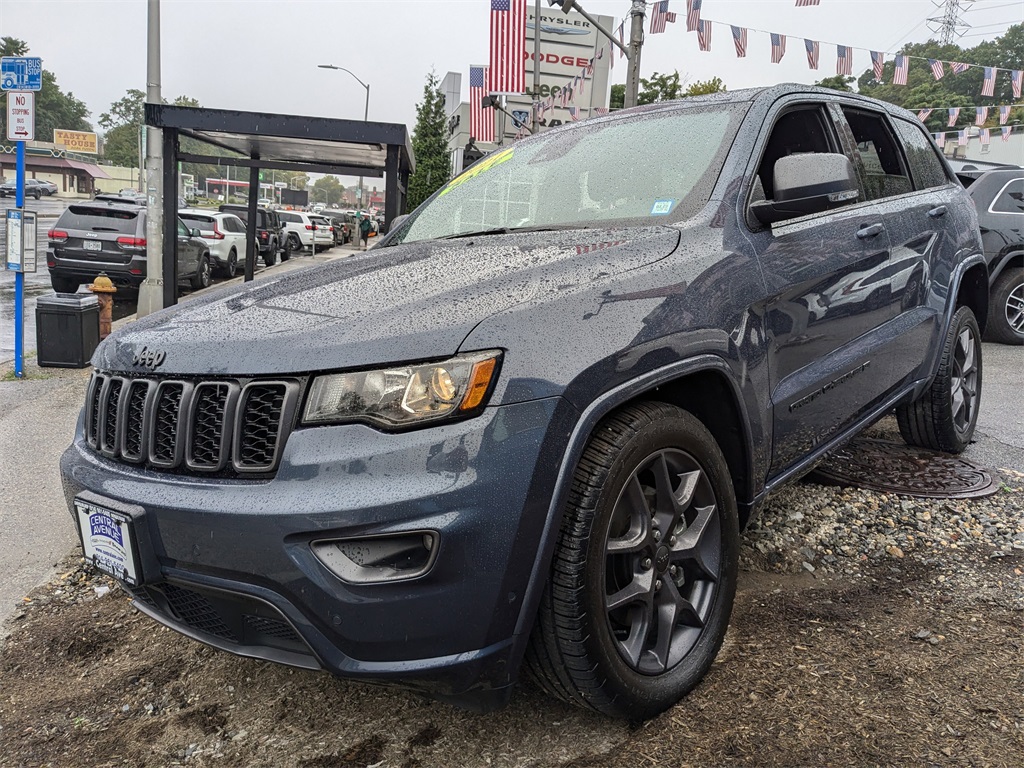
407 302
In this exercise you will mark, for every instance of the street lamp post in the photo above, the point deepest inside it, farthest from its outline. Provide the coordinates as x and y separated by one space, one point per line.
366 112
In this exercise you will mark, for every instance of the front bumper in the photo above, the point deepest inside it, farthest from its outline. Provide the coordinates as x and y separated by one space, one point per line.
227 550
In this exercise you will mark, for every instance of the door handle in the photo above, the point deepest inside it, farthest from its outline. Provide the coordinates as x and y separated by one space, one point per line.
936 212
870 231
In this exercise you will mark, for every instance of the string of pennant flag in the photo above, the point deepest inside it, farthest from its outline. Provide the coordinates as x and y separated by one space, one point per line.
981 113
963 137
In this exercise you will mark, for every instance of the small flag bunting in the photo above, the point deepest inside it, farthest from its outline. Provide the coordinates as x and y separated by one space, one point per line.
985 136
704 35
900 74
961 138
739 39
844 60
924 114
574 113
954 115
778 47
988 85
878 63
481 120
659 13
980 115
692 15
940 140
1004 115
813 50
958 67
937 68
1006 132
1016 77
805 3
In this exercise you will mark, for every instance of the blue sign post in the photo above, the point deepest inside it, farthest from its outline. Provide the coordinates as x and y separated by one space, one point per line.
21 73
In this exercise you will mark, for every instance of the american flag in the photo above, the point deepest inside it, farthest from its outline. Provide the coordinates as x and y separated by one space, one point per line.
692 15
778 47
622 39
878 63
940 140
937 68
704 35
508 47
961 138
739 39
902 65
844 60
958 67
574 113
600 110
954 115
988 85
481 121
812 52
659 17
1006 132
804 3
1016 76
1004 115
980 115
986 136
924 114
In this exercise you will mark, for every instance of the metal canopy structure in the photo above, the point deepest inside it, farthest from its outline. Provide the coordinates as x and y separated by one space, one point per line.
268 141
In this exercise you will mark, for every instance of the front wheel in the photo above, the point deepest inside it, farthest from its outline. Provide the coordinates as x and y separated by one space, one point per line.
943 418
201 279
644 571
271 255
1006 308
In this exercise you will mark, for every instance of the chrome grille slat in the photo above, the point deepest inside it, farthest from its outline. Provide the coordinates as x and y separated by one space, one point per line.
237 427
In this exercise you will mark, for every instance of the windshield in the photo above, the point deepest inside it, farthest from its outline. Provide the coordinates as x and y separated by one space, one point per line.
648 168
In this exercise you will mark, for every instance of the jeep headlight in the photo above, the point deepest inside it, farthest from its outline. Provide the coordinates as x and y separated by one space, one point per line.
405 395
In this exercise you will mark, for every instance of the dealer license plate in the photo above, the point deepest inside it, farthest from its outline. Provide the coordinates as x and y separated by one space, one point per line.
92 245
107 541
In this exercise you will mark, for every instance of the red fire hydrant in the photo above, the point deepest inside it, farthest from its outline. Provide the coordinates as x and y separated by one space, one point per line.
104 290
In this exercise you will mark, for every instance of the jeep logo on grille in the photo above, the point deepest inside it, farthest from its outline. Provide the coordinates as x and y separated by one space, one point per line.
150 358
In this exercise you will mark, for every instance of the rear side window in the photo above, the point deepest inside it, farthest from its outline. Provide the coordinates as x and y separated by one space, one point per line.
924 161
99 219
1011 198
290 217
881 163
198 222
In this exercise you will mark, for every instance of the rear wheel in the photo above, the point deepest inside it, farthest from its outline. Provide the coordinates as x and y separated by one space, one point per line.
271 255
944 416
64 284
1006 308
36 194
201 279
644 572
231 269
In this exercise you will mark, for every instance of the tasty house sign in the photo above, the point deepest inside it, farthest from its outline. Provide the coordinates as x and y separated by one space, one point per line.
75 141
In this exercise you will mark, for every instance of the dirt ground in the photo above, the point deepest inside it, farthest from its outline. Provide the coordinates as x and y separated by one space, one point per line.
910 661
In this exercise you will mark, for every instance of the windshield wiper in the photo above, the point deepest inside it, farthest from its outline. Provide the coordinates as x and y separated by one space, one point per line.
501 231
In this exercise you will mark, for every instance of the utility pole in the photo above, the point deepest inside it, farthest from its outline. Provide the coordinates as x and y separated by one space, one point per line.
151 292
636 42
536 67
950 25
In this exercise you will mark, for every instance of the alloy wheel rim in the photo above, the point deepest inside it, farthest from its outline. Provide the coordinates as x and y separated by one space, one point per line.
662 561
964 385
1014 309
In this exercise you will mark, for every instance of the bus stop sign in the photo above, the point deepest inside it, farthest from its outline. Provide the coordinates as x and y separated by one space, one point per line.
21 73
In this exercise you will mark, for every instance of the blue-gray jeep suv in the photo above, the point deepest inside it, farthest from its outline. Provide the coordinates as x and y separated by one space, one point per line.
530 425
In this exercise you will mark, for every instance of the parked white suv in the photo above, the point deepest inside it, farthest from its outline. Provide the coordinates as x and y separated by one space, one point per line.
299 230
224 233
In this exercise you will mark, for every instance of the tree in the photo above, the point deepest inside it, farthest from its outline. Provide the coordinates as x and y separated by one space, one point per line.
54 108
328 190
837 83
705 87
659 88
429 145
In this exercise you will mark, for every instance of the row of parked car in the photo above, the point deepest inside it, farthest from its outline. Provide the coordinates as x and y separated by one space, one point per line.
108 234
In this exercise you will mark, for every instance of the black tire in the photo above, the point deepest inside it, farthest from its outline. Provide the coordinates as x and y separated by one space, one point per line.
201 279
37 194
64 284
271 255
671 569
231 268
943 418
1006 308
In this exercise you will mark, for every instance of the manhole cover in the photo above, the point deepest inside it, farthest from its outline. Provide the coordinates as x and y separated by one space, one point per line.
896 468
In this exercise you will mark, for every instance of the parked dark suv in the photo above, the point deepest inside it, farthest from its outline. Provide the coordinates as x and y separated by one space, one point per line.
999 198
107 236
532 422
268 231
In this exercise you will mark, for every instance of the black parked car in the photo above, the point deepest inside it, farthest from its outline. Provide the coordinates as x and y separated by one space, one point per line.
268 231
532 423
999 198
106 236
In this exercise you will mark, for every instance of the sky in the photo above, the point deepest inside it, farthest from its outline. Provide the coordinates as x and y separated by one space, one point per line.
262 55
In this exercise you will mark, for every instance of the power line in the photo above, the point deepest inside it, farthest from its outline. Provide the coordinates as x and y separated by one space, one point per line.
949 24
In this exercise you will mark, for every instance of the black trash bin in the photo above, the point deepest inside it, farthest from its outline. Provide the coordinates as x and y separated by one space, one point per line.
67 329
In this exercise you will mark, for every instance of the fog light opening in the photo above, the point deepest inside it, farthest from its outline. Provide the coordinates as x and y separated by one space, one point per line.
379 559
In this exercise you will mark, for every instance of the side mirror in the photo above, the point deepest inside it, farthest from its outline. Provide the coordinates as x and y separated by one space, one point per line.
397 222
806 184
195 233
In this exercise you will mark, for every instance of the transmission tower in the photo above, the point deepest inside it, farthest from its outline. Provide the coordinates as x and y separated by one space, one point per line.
950 25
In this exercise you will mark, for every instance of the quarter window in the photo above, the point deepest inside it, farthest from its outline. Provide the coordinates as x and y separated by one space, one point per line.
880 161
1011 199
925 165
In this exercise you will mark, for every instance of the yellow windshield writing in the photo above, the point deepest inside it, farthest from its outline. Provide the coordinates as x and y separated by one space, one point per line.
483 166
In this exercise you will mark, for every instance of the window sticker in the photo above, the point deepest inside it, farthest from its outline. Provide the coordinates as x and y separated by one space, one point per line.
484 165
662 207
